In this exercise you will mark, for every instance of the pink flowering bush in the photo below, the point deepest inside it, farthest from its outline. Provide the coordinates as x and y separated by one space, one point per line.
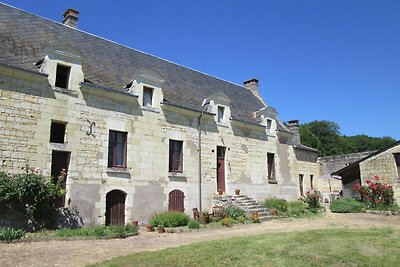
375 194
312 198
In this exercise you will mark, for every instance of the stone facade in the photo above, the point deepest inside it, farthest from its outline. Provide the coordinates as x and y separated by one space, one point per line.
51 123
382 163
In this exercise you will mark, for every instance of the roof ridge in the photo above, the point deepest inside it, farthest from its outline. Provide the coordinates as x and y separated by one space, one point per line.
125 46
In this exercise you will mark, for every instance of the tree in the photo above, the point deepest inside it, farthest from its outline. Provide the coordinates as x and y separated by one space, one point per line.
325 136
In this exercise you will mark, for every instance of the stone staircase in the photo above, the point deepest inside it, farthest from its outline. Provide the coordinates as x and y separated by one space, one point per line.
246 203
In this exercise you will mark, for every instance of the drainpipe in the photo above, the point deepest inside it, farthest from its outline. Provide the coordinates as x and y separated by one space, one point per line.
199 129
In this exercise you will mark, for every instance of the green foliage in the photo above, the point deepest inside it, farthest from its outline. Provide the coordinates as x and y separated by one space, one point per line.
7 234
276 203
32 195
234 212
228 222
193 224
170 219
376 195
325 136
346 205
119 231
312 199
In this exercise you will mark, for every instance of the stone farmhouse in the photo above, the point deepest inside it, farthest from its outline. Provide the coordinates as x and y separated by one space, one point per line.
136 134
384 163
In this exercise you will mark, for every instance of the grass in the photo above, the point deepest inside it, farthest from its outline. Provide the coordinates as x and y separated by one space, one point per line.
86 232
333 247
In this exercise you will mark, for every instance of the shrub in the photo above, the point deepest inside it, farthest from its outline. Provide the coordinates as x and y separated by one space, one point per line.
312 199
346 205
234 212
276 203
376 195
170 219
32 195
295 209
193 224
7 234
228 222
119 231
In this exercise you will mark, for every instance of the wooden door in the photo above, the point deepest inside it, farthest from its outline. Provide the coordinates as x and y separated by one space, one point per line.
301 179
59 170
221 168
115 207
176 201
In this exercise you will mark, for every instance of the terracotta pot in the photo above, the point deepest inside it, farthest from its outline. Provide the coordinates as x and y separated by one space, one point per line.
161 230
237 192
149 228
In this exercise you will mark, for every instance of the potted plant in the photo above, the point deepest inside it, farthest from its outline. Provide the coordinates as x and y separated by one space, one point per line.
161 229
149 228
237 192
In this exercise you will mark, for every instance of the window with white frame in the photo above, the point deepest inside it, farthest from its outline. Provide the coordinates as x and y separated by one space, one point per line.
147 96
221 114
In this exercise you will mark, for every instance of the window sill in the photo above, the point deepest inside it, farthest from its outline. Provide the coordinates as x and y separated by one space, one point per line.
177 176
117 170
272 181
58 146
66 91
151 109
222 124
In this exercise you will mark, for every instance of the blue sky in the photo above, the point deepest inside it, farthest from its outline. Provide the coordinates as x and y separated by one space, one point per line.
316 60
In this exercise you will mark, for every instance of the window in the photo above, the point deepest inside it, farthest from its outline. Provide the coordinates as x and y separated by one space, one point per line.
62 76
147 96
57 132
117 149
312 181
271 166
269 125
175 156
301 179
221 111
397 159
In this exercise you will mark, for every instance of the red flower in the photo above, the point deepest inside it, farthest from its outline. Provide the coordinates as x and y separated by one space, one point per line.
368 181
357 186
376 177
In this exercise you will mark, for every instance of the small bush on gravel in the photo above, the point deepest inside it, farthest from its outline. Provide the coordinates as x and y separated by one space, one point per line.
7 234
234 212
276 203
193 224
228 222
346 205
170 219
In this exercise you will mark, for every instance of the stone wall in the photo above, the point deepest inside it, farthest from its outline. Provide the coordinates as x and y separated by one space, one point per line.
334 163
29 105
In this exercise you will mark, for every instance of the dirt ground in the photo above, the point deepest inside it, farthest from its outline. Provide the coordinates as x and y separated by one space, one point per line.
82 252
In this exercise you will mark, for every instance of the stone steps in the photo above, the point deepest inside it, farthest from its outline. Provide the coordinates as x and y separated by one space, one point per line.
247 204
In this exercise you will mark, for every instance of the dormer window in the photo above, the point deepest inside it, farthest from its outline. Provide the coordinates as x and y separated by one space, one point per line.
62 76
147 96
221 114
269 125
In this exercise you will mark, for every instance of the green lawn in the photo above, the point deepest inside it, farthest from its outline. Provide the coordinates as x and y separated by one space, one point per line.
341 247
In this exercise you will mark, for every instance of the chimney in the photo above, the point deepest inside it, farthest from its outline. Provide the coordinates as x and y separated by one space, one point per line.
294 127
252 85
71 18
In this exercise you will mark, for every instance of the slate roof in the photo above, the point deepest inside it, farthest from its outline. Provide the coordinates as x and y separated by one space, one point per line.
24 36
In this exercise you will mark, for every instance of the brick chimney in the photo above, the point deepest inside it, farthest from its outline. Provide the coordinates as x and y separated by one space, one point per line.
252 85
71 18
294 127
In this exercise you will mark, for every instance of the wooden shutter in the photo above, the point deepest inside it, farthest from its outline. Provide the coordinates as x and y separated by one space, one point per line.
176 201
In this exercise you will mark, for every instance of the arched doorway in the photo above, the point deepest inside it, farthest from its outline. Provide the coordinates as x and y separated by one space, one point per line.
115 207
176 200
